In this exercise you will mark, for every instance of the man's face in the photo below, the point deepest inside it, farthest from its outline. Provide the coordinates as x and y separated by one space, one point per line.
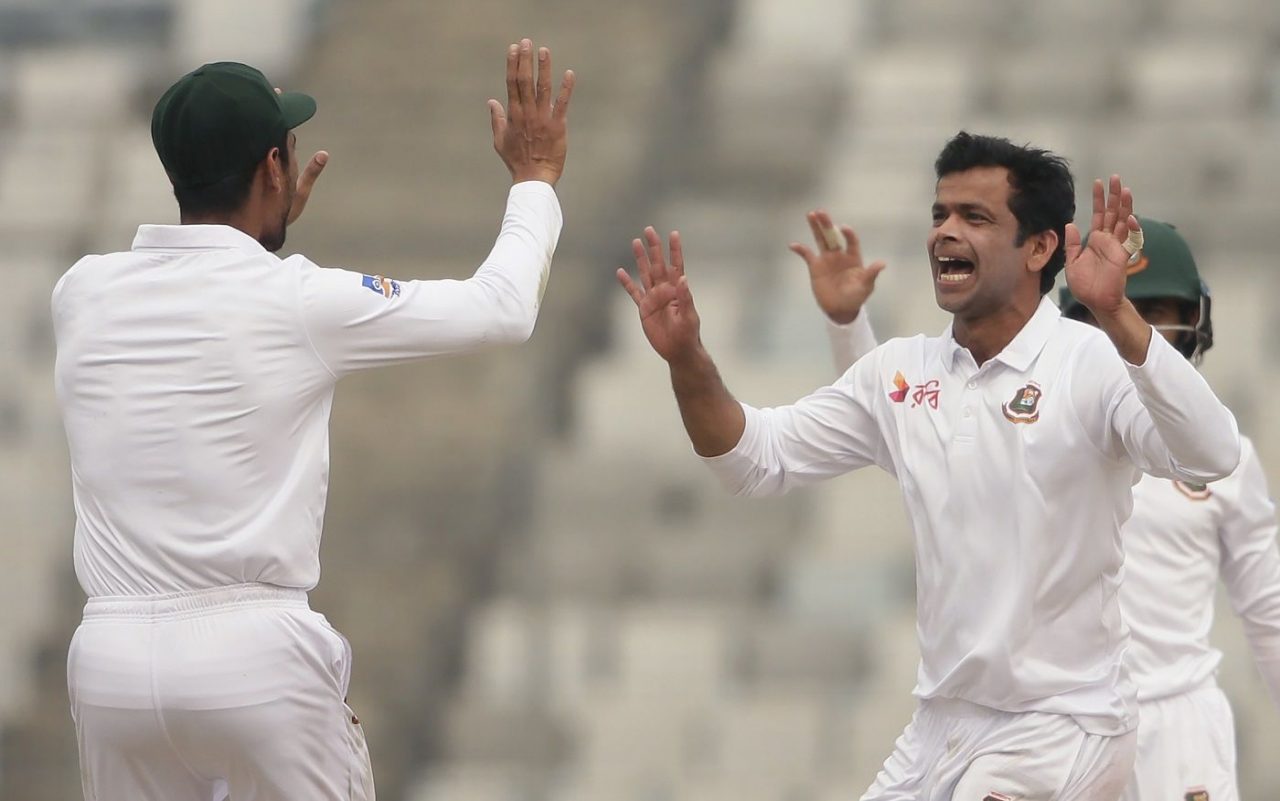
273 235
977 268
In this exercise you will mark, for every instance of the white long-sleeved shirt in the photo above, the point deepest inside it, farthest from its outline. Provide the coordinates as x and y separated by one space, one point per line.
195 374
1179 540
1016 477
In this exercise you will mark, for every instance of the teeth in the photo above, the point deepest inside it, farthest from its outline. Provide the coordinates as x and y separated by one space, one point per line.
953 278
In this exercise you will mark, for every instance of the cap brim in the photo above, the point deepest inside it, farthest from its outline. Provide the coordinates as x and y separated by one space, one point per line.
297 108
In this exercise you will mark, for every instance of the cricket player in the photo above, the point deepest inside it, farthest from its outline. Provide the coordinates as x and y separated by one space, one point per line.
1178 540
195 374
1015 435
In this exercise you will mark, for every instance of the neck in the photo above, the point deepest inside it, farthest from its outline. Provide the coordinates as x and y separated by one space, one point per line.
239 219
985 336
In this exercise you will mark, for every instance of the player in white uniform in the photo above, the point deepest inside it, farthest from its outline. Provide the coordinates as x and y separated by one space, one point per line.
1015 436
1181 538
1178 540
195 374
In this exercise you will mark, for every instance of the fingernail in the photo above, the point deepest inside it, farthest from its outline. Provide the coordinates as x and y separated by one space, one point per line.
322 158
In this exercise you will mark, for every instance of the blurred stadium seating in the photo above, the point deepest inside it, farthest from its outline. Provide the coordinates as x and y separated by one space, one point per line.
548 597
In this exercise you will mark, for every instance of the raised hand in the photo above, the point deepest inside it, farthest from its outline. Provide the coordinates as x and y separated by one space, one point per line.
840 282
306 182
530 134
667 314
1096 272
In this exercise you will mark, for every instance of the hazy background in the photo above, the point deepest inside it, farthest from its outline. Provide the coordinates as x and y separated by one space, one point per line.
548 597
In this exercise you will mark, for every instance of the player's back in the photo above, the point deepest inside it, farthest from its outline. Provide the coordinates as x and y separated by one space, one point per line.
196 415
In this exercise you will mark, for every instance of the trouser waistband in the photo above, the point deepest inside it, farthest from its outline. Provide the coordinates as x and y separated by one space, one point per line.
193 602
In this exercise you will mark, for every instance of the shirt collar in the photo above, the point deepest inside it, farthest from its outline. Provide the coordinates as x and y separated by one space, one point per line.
194 237
1024 347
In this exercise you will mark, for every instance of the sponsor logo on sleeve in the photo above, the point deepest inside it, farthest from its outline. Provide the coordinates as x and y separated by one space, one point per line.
1025 405
1197 794
385 287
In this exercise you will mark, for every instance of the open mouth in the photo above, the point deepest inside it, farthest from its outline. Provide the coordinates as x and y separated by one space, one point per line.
954 270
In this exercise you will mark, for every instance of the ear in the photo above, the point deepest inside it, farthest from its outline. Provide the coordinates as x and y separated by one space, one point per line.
277 169
1041 249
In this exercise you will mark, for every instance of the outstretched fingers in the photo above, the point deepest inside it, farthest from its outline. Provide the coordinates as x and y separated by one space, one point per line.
852 245
1099 205
636 293
643 267
513 84
306 182
677 255
562 100
1072 243
802 251
543 99
657 262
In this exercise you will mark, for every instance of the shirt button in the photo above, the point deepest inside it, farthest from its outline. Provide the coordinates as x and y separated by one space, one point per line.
973 385
967 413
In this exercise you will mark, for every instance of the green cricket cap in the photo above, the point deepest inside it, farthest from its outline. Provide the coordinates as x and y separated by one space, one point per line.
221 119
1165 269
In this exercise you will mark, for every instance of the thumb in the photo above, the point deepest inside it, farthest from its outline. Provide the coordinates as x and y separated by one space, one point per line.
873 271
1072 243
801 251
306 182
497 119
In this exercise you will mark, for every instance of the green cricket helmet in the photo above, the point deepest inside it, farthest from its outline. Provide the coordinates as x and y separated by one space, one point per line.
1164 269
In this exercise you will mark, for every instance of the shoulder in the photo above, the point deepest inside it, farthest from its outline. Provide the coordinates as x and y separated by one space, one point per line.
78 273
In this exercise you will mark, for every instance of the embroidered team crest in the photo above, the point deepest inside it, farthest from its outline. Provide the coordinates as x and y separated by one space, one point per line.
1197 794
1025 406
900 394
385 287
1194 491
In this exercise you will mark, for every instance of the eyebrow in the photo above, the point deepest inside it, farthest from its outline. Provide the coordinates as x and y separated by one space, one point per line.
964 207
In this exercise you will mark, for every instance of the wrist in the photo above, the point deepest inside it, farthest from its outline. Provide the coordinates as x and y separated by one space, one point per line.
844 317
693 357
543 174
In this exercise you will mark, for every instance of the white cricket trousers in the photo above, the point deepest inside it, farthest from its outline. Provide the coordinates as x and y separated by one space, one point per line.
235 691
1186 749
957 751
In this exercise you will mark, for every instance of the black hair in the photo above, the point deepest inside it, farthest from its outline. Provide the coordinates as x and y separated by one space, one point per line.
1042 193
226 195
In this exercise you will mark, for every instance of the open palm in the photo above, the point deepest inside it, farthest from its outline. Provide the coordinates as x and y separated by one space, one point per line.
840 282
662 297
1097 270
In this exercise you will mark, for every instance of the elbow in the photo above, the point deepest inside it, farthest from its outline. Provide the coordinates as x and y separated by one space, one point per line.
1228 461
1215 464
515 328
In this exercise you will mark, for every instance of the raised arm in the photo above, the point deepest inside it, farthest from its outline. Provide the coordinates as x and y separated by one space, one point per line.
841 285
712 418
356 321
752 451
1167 418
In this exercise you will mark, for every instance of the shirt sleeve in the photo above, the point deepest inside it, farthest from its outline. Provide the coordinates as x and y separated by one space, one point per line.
357 321
830 432
852 341
1162 416
1250 562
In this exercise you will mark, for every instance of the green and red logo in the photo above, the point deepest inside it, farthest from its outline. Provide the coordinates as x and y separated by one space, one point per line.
1025 405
